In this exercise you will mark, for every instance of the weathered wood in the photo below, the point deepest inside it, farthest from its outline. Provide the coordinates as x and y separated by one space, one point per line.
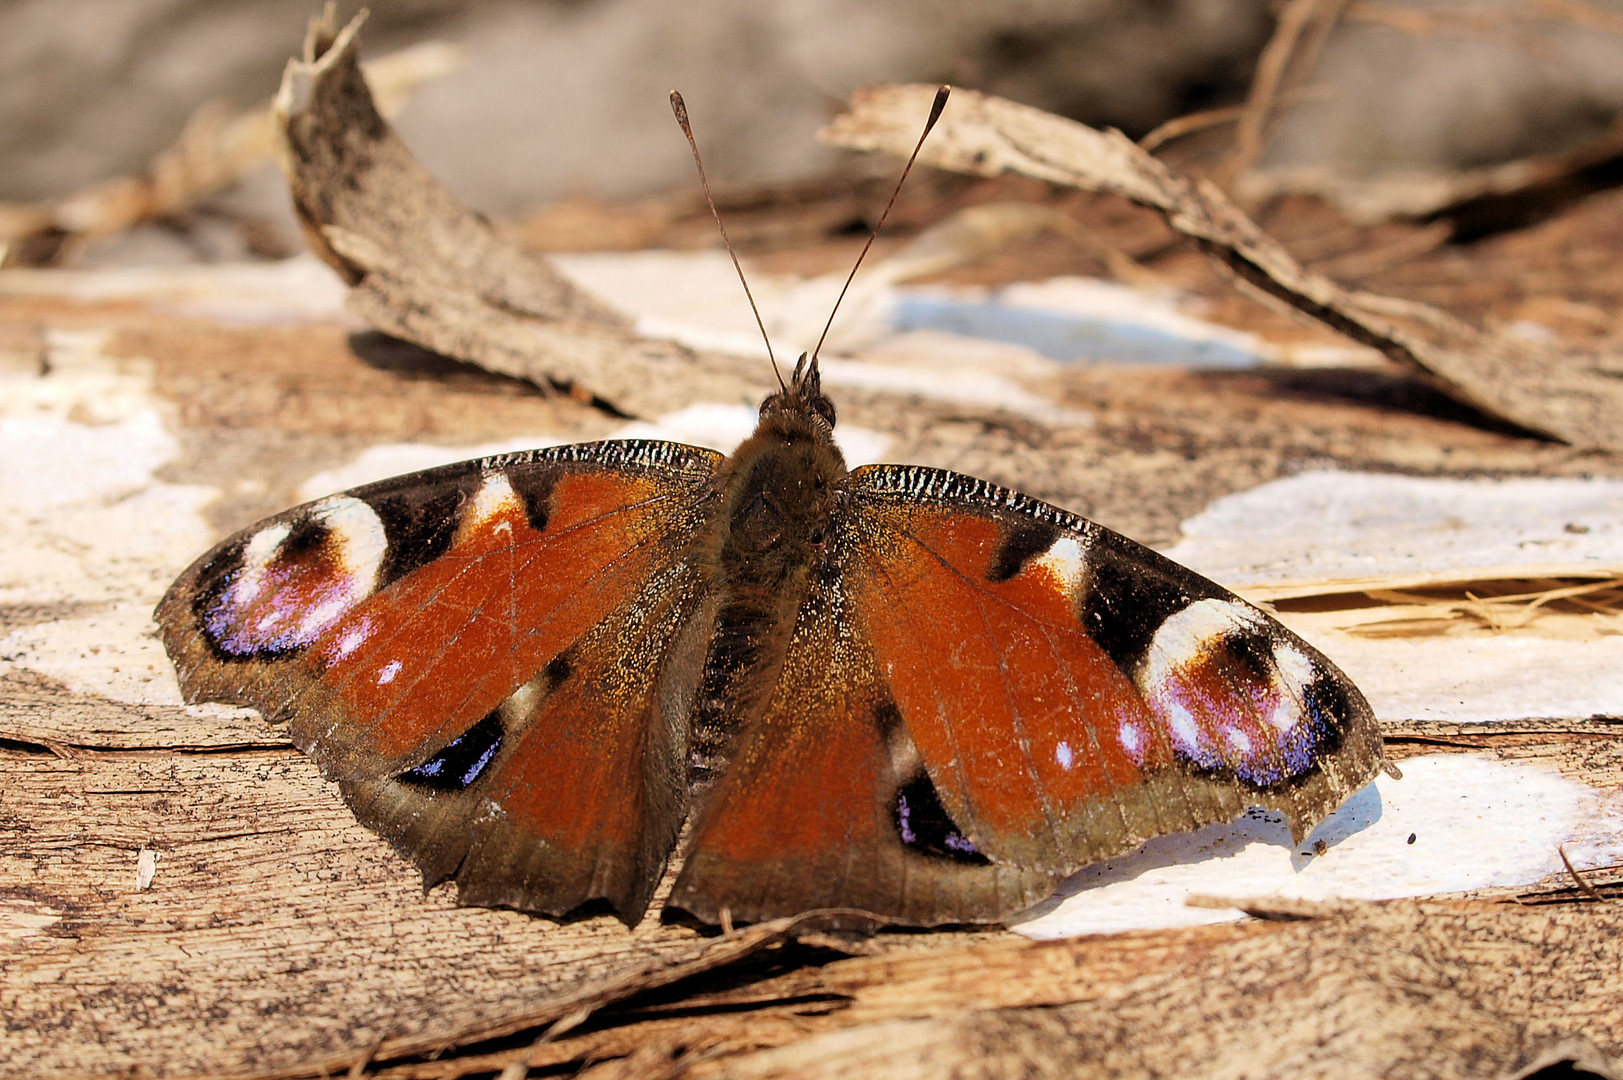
270 902
1353 990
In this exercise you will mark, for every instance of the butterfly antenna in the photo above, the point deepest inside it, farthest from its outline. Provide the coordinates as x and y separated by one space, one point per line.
680 108
935 114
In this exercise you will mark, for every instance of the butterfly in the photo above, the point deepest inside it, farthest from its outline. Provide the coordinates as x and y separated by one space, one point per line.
894 689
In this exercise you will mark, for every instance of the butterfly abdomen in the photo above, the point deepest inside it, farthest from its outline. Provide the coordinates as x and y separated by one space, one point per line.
778 493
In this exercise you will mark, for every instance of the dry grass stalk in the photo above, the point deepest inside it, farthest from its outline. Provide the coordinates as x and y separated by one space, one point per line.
1190 123
1518 25
1494 607
1583 884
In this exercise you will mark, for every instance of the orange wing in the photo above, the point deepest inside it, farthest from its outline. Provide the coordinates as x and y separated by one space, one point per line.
476 654
985 693
1073 693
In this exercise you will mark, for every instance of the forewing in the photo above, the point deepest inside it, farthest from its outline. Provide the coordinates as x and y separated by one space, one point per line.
1072 693
479 655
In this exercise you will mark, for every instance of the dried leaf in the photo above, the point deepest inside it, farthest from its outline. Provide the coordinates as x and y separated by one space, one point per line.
1569 396
424 267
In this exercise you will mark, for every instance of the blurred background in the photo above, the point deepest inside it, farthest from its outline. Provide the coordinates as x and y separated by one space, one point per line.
549 100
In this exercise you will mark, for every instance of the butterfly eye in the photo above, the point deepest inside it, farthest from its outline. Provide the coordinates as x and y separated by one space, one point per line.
823 407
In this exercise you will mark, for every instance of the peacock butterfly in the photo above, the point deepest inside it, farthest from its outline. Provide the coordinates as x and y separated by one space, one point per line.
894 688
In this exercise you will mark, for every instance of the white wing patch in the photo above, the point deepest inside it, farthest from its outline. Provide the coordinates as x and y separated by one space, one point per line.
1184 638
279 599
256 555
493 507
1066 562
1201 680
357 532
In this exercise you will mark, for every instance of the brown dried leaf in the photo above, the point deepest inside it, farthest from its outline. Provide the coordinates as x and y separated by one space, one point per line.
424 267
1569 396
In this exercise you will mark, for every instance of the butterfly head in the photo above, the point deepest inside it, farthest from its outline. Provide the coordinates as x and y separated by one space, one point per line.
803 398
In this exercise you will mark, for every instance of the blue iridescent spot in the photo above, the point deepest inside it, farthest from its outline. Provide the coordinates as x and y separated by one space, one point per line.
925 827
1294 750
462 761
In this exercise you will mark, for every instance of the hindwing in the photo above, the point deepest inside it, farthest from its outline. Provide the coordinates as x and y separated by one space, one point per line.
482 656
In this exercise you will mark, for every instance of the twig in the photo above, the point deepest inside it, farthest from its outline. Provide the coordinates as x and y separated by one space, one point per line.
1482 19
1566 394
1313 18
1505 23
218 147
1583 886
1188 124
1358 264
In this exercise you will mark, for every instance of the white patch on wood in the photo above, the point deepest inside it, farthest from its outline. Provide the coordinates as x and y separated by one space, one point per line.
1301 535
1478 822
387 673
113 654
1062 755
146 868
389 460
21 918
83 518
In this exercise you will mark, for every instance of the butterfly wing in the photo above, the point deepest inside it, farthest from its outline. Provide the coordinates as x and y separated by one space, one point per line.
825 804
1095 693
1009 693
489 658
